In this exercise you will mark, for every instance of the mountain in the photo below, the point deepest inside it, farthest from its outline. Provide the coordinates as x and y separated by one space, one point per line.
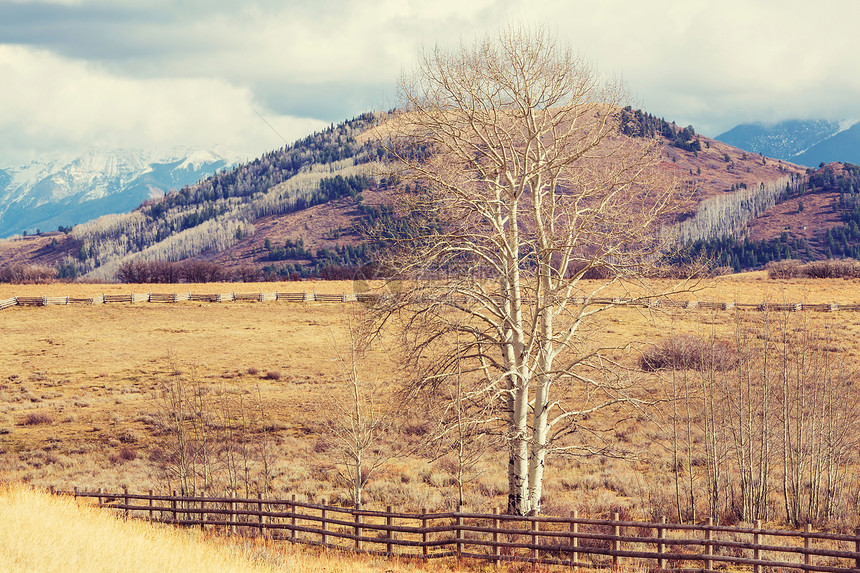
843 147
68 190
805 142
298 211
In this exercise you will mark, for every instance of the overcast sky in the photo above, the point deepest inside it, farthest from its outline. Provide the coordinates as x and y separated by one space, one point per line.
77 74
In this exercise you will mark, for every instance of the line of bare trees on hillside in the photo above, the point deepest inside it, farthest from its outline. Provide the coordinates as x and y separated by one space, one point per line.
728 214
764 426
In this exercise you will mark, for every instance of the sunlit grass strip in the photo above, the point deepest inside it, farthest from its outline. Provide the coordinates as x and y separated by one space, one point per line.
42 533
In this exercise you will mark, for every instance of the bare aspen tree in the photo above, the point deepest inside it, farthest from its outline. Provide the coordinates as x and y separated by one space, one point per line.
748 401
212 440
510 150
775 424
817 417
696 426
682 393
224 416
202 431
716 446
465 431
357 421
264 445
173 404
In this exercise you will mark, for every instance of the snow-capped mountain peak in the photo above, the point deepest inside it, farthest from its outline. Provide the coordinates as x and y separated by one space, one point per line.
199 158
806 142
66 189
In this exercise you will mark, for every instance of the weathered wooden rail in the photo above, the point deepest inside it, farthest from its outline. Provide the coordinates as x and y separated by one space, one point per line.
571 541
366 298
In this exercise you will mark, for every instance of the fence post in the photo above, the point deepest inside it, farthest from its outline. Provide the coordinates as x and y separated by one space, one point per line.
574 540
293 519
150 505
535 529
323 523
616 543
661 547
76 492
389 521
497 551
757 543
125 502
807 558
458 531
173 505
100 496
424 532
709 549
202 515
357 526
260 511
857 547
233 512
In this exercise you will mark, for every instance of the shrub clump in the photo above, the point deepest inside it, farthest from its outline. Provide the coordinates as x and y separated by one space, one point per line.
27 274
688 352
36 419
829 269
124 455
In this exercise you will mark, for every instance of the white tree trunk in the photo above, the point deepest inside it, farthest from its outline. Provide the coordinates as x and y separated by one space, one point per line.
525 168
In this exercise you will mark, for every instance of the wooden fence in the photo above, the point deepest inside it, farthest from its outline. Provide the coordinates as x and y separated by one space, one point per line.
154 297
132 298
571 541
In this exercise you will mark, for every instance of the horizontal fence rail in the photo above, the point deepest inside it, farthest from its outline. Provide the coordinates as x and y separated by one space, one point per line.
571 541
367 298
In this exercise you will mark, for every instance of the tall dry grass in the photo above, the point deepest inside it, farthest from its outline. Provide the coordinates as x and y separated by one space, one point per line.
41 533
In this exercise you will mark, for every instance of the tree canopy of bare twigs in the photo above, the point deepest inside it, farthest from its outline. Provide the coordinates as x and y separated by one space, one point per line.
509 150
358 421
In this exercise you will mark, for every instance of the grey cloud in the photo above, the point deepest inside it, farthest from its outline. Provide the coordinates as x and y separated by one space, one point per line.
85 32
332 59
330 101
288 66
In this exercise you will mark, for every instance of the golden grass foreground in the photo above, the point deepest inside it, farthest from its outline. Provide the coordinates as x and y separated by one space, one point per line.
42 533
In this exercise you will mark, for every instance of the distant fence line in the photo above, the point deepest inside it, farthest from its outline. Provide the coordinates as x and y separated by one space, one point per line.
132 298
571 541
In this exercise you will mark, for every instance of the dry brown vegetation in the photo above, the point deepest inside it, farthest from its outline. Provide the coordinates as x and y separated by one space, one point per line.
40 532
80 388
829 269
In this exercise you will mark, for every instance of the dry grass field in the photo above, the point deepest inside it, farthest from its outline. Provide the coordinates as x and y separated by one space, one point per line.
80 387
45 534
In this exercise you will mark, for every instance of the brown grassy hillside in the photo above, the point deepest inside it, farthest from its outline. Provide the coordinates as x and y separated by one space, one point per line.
714 170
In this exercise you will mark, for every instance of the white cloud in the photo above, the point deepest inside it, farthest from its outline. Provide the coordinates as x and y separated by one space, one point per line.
717 64
52 104
159 72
